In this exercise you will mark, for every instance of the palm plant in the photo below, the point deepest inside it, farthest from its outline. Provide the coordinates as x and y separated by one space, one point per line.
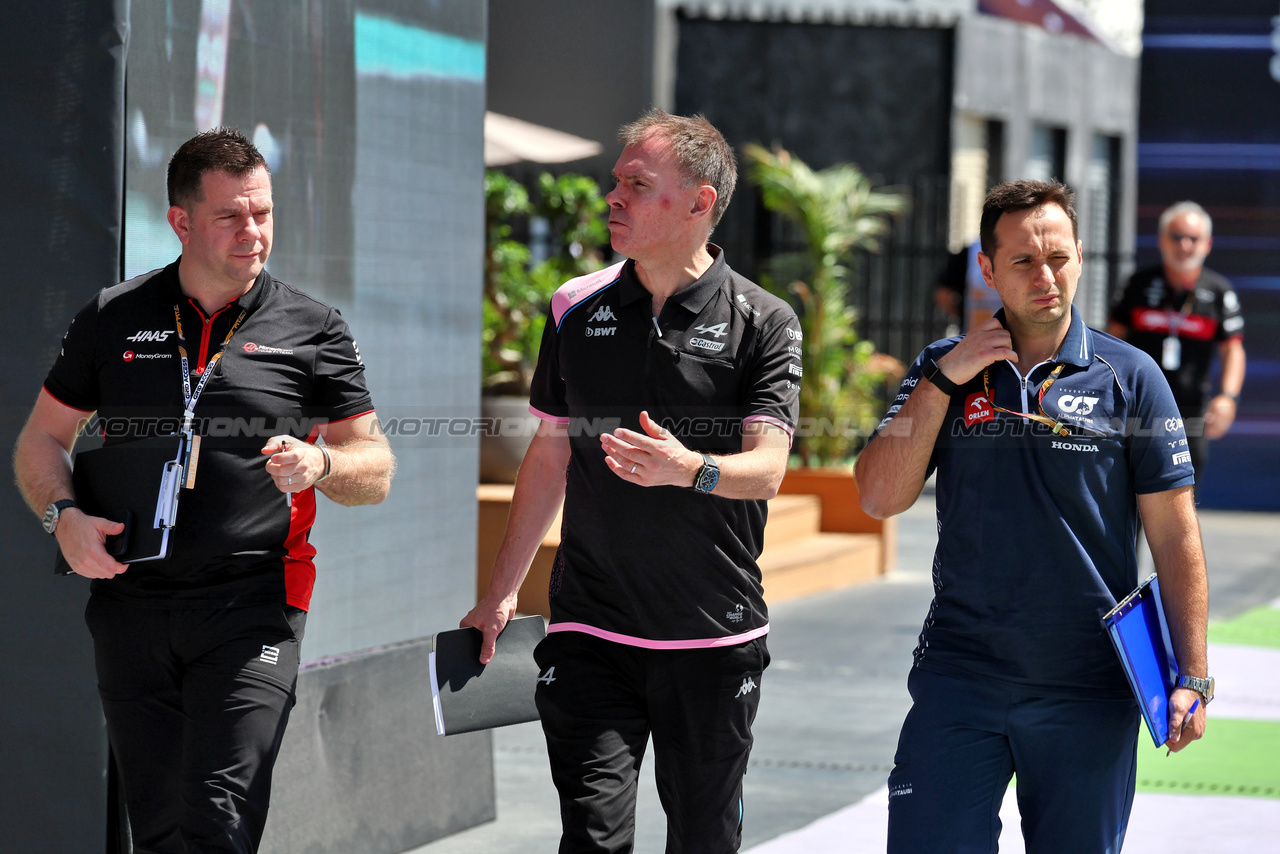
516 294
837 211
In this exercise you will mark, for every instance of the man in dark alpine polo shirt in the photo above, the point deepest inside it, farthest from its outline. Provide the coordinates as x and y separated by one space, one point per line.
658 620
197 653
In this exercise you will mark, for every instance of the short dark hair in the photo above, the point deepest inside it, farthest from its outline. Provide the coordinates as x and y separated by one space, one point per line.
1020 196
700 150
219 150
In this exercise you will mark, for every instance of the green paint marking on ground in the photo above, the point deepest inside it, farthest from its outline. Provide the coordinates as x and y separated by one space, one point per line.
1233 758
1259 627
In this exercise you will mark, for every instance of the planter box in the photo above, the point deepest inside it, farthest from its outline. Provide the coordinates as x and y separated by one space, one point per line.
841 512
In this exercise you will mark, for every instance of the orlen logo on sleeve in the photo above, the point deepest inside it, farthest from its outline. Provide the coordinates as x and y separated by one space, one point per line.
977 408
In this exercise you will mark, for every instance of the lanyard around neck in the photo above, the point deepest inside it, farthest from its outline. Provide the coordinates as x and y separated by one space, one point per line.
189 397
1056 426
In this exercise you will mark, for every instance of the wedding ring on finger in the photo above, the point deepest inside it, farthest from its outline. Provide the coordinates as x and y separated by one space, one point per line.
633 467
290 480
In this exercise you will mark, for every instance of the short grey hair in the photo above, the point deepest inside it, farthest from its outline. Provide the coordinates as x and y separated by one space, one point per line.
1182 209
701 152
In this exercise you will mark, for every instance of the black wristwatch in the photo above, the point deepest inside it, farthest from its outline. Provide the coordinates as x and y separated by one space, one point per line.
708 476
53 512
935 375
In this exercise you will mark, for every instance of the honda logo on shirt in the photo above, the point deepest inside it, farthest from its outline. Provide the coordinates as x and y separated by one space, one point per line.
977 408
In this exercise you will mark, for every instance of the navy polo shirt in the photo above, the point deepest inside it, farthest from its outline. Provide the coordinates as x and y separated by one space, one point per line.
1037 531
662 567
291 366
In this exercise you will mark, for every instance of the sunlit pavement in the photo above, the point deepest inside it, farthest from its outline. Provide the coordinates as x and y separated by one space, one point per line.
835 695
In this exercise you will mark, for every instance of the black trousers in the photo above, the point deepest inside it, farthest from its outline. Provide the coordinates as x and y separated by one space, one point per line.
196 703
600 701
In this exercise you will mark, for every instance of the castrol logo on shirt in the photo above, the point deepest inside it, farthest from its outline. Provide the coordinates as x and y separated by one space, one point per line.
977 408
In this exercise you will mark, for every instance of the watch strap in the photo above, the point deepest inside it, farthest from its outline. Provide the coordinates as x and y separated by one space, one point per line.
934 374
708 476
53 513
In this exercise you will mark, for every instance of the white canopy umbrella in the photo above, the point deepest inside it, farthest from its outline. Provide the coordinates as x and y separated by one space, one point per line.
508 140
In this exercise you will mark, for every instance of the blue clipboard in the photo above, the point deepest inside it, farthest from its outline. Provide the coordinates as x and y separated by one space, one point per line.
1140 634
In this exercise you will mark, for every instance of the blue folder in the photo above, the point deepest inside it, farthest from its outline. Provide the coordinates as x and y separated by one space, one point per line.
1138 630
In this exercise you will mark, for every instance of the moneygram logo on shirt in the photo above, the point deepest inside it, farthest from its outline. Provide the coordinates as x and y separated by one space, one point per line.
977 408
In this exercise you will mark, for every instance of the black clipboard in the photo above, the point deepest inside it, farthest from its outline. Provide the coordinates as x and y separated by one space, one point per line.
469 696
137 483
1140 634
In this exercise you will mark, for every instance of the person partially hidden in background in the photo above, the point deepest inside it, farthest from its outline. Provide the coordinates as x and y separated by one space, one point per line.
1181 313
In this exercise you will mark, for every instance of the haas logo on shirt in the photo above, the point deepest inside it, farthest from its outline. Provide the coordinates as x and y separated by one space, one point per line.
977 408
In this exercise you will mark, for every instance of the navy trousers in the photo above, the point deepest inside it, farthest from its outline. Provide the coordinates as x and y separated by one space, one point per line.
962 741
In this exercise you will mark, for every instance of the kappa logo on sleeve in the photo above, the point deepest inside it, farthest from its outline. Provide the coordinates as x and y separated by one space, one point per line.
977 409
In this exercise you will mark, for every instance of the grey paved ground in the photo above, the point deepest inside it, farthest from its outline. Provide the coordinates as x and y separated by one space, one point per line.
834 696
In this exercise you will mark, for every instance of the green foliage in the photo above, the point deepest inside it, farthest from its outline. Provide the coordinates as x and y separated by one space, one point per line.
837 211
516 296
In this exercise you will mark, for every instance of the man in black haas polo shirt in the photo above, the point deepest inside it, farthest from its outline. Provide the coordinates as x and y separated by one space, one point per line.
197 654
1180 313
667 387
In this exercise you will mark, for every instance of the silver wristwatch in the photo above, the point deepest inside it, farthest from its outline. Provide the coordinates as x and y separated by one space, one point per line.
1202 686
53 512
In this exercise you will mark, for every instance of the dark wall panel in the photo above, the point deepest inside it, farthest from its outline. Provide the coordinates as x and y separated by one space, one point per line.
61 94
879 97
1208 131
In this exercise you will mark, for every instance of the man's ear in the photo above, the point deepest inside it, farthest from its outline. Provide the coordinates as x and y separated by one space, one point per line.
180 222
988 272
704 202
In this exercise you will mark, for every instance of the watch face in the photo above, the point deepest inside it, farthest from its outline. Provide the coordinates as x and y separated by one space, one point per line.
50 520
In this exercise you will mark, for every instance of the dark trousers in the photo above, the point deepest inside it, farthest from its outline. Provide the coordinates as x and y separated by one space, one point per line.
600 702
1076 762
196 703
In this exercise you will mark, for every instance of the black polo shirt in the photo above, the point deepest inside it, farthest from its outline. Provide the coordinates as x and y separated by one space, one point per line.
662 566
1201 319
291 365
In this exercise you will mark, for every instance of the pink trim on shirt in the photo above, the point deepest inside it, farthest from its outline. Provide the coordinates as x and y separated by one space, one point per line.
576 290
769 419
645 643
552 418
776 422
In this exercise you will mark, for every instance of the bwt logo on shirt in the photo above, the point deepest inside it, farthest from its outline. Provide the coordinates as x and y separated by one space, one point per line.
600 331
603 315
977 408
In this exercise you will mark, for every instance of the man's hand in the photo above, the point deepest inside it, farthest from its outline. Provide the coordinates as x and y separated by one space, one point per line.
1219 416
81 538
1179 702
294 465
656 459
986 343
490 618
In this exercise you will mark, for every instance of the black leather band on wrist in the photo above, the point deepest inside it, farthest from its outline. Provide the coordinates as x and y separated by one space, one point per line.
934 374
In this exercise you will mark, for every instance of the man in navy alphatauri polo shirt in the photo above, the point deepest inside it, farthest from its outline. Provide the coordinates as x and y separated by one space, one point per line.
668 388
1048 439
197 654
